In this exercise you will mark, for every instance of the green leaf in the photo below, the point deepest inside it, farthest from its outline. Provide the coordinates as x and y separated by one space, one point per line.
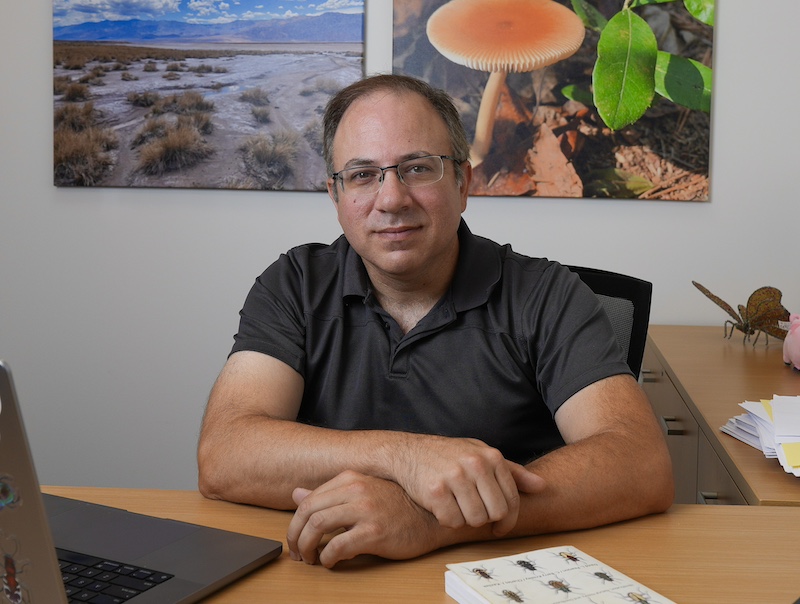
624 74
577 93
591 17
702 10
614 182
636 3
683 81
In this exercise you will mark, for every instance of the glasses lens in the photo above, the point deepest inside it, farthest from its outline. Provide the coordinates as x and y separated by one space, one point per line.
361 180
421 171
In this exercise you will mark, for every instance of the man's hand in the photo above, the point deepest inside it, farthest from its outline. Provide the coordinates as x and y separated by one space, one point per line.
464 482
358 514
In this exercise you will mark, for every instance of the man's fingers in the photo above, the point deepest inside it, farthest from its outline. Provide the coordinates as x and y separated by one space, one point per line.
526 481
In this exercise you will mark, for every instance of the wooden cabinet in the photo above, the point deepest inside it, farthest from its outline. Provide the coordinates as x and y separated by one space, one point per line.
678 424
695 380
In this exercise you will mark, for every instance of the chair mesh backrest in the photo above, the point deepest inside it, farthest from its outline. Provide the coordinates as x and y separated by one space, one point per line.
626 301
620 312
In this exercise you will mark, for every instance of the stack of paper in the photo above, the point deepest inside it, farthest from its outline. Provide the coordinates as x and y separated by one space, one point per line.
773 427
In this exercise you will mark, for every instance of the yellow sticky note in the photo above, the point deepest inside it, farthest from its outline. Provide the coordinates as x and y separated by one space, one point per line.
792 452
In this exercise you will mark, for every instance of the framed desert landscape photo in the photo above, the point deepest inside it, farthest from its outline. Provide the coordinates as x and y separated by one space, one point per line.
201 94
572 98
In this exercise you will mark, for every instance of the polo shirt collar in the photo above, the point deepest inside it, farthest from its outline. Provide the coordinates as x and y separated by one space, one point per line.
477 272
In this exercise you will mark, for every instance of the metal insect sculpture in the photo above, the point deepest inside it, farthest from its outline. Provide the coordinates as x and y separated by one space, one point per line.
762 313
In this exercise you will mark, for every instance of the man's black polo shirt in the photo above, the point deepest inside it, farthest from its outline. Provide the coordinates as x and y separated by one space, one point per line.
513 338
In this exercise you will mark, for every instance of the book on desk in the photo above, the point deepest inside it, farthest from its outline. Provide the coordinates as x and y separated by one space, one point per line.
555 574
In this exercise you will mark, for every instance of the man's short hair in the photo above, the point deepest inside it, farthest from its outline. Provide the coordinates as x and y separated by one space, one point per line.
438 99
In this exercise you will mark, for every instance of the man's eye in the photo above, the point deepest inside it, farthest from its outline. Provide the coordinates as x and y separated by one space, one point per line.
417 169
362 176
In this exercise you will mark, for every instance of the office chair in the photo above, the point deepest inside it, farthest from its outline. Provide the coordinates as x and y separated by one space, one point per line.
626 301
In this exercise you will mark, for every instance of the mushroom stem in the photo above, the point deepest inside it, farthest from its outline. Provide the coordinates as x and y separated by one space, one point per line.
487 112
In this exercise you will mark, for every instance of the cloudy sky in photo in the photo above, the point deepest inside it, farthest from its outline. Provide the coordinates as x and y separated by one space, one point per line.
73 12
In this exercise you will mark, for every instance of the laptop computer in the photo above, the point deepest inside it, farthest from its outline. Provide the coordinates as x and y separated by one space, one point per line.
107 555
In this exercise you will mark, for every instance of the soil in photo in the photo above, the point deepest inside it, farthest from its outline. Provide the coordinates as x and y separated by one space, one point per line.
236 116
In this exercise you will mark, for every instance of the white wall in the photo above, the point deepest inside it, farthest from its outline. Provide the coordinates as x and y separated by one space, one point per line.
117 306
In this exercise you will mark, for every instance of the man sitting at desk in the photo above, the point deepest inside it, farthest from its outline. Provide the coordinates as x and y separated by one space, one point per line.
413 385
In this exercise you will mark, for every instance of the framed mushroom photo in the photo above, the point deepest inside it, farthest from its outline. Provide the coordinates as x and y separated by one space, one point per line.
215 95
572 98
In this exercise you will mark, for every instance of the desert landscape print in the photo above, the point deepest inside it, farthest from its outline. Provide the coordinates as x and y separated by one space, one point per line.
198 93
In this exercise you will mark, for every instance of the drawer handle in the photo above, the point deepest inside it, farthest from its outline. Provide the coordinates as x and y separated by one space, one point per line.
707 498
649 376
670 431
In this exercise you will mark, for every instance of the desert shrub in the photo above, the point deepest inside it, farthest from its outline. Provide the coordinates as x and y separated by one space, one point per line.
143 99
261 114
313 134
127 76
202 68
76 92
151 66
152 129
119 66
192 101
82 158
324 85
60 84
74 64
255 96
268 159
181 147
220 69
91 80
171 75
187 103
74 117
174 67
200 120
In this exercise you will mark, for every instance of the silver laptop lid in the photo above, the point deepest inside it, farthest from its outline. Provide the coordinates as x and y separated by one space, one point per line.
30 571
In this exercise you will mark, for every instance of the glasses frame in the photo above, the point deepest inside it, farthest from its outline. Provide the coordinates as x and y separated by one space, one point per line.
336 176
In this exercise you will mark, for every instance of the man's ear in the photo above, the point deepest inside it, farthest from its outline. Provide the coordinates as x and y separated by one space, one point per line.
467 171
332 192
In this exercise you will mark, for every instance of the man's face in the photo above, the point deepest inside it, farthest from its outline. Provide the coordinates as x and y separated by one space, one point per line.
401 233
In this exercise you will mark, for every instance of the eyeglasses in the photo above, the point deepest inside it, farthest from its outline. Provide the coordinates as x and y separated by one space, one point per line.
416 172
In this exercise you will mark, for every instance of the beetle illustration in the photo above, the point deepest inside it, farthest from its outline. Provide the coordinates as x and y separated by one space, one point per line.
514 596
762 313
559 585
603 576
569 556
525 564
482 572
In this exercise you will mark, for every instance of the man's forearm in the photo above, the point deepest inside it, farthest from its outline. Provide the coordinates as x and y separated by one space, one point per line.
260 460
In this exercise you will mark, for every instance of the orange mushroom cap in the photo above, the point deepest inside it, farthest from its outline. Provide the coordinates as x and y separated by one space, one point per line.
505 35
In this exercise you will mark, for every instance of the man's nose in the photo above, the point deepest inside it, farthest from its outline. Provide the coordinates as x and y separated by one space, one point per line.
393 194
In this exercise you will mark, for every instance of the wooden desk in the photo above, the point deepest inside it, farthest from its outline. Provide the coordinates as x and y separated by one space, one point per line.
712 375
692 554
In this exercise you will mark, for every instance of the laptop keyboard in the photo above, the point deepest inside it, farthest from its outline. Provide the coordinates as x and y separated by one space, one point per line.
100 581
